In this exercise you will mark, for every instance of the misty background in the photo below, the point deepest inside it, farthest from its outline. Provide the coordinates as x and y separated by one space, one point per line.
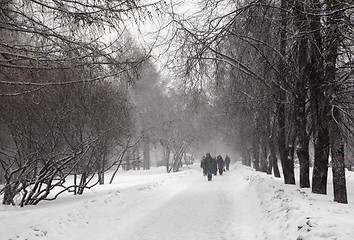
90 87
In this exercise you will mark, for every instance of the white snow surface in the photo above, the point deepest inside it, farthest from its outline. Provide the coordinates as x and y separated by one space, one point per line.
242 204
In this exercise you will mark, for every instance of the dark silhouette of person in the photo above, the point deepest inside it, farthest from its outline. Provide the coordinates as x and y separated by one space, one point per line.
227 162
221 164
209 163
203 166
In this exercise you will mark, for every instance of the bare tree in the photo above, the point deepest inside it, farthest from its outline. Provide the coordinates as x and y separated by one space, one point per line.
283 60
56 132
67 34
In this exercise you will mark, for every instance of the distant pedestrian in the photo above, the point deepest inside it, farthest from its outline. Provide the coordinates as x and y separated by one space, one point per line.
221 164
227 162
209 162
203 166
215 167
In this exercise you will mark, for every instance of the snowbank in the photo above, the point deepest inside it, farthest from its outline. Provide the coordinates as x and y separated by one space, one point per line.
243 204
289 212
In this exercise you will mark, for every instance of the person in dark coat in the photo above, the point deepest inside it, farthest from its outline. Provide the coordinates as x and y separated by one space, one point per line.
220 163
203 166
215 166
209 163
227 162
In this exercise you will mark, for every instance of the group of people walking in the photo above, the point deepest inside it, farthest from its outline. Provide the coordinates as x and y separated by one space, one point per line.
211 165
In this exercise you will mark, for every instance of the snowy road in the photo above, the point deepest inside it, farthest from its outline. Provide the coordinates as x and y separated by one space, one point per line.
194 209
143 205
241 205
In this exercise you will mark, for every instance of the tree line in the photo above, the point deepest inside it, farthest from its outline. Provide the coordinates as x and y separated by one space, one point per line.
63 107
79 98
281 77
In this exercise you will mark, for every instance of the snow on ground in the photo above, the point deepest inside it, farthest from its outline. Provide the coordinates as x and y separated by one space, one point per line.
240 205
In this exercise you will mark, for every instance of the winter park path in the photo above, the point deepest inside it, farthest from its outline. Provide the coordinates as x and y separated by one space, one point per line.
196 209
163 206
240 205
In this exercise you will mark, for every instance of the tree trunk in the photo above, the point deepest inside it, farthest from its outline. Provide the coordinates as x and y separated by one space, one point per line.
264 154
167 158
291 148
303 155
320 167
303 144
281 99
337 154
101 169
273 161
281 136
128 162
82 184
9 195
146 153
137 157
246 156
75 184
319 106
303 141
336 142
300 97
255 151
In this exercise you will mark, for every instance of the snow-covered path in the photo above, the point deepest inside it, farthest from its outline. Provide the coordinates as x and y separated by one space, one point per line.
194 209
148 206
241 205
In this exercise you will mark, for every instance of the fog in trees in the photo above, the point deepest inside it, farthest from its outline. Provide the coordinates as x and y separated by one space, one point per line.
269 83
281 73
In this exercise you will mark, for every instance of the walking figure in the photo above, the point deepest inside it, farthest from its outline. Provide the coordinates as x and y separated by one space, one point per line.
215 167
227 162
209 162
220 163
203 166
